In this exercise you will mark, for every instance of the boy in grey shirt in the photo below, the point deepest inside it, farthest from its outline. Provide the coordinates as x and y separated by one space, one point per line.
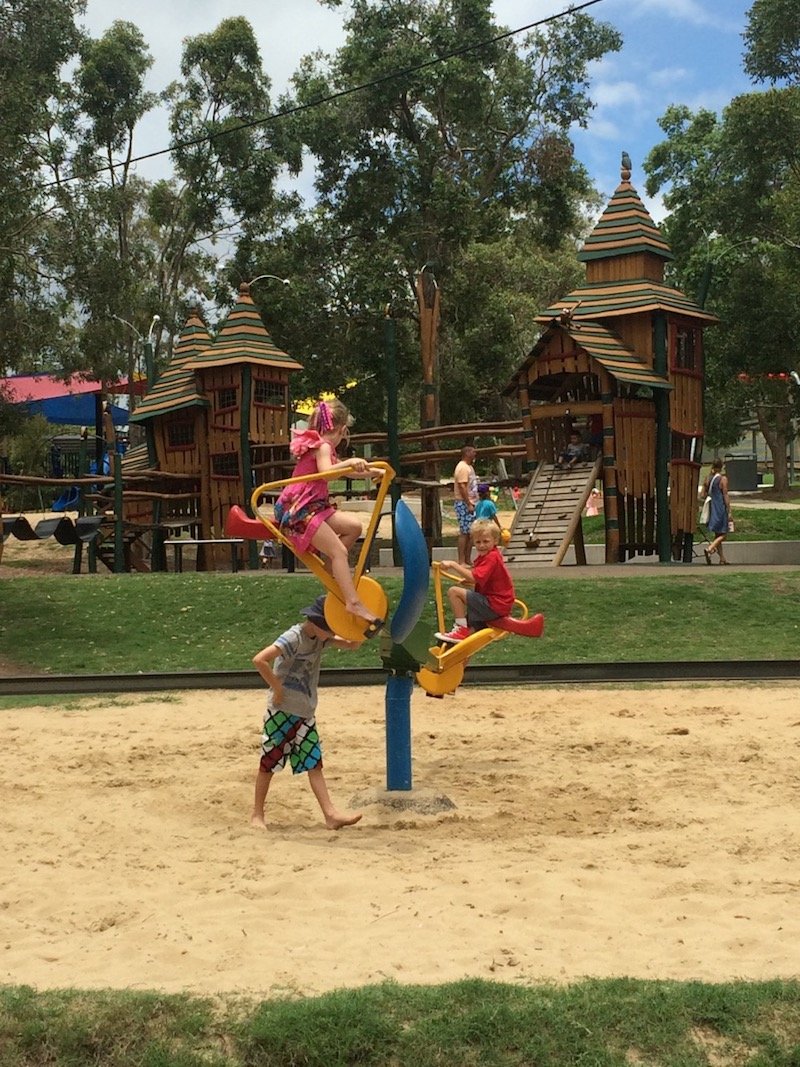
290 666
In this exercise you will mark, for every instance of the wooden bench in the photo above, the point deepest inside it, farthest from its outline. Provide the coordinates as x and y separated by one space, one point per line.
179 543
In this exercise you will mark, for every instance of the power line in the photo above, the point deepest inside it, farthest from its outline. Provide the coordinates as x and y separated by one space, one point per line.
277 115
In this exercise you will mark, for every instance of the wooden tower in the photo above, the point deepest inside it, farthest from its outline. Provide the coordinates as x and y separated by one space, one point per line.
244 378
214 410
625 352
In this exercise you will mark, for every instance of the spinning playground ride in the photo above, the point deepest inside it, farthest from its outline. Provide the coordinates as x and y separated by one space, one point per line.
406 648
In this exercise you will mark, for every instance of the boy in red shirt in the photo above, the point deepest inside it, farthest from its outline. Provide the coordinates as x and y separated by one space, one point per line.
493 594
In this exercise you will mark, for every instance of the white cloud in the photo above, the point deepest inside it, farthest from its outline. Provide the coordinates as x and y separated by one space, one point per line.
609 94
667 76
710 13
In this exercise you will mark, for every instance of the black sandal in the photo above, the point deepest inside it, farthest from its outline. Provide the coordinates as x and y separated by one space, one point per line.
374 628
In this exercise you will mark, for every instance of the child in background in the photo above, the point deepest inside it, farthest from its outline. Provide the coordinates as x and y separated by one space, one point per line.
267 554
493 594
290 666
486 507
574 453
304 512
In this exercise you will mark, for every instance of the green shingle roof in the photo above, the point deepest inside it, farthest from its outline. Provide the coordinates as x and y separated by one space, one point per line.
624 227
610 351
243 338
600 300
177 386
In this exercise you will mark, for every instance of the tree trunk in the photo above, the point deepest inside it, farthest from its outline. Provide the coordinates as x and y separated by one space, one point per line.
776 425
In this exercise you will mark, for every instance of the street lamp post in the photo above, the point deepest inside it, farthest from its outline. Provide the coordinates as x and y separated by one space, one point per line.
258 278
149 362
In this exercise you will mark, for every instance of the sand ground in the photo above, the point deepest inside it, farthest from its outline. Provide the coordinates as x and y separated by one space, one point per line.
599 832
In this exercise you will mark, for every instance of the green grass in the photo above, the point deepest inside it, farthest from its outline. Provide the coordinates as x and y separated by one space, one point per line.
167 622
613 1023
752 524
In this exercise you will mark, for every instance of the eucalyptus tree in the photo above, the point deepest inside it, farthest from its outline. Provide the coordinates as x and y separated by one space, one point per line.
98 242
434 138
733 192
37 37
226 154
126 248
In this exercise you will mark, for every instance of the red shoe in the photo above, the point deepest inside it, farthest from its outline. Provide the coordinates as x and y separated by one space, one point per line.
458 633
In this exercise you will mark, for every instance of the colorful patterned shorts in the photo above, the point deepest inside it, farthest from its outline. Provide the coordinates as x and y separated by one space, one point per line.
289 735
464 515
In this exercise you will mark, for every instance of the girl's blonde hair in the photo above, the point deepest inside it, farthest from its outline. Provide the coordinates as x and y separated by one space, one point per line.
329 415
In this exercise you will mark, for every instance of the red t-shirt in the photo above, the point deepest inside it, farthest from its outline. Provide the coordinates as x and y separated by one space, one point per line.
493 580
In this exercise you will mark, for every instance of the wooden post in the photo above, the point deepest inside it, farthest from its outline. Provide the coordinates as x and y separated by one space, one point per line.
610 502
245 414
527 424
662 456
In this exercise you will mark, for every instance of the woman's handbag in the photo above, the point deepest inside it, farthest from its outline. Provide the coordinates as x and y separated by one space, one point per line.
705 510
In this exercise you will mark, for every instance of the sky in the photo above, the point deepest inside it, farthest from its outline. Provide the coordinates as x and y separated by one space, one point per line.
674 52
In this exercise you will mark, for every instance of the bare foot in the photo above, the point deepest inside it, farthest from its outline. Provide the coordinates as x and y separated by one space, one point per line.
355 607
257 822
335 821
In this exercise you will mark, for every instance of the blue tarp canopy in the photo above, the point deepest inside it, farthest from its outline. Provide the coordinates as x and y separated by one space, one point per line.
72 403
74 410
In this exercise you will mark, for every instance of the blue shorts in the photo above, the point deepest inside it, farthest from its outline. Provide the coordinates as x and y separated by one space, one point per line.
289 736
464 516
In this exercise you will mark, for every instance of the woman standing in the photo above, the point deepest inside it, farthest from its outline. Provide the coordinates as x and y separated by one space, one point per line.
716 487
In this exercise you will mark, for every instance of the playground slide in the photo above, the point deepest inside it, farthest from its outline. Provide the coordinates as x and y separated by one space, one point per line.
68 501
549 513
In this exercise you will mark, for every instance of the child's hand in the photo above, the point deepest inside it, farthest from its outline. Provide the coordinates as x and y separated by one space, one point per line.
358 464
277 692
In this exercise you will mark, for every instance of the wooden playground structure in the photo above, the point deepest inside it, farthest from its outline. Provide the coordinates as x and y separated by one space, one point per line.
620 358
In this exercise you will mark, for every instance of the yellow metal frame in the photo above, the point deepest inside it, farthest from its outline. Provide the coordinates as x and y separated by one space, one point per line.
445 667
310 559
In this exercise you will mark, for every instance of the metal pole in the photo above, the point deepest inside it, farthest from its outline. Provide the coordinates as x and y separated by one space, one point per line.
398 731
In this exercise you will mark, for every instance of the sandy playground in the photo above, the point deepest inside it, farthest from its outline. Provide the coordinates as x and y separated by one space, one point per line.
596 832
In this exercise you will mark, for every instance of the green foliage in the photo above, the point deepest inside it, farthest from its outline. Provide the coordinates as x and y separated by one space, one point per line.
36 38
110 87
605 1023
735 230
453 165
772 40
27 453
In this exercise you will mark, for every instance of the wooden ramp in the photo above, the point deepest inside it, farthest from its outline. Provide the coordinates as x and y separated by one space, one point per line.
550 512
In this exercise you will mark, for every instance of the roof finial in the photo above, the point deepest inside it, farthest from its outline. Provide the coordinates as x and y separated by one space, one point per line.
625 174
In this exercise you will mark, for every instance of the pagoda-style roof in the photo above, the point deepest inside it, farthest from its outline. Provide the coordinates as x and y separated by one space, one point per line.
612 353
176 387
136 458
243 338
602 344
624 227
602 300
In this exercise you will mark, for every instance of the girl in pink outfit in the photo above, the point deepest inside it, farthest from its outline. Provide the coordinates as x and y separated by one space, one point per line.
304 511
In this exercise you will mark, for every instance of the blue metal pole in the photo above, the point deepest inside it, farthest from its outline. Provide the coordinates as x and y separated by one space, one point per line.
398 731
